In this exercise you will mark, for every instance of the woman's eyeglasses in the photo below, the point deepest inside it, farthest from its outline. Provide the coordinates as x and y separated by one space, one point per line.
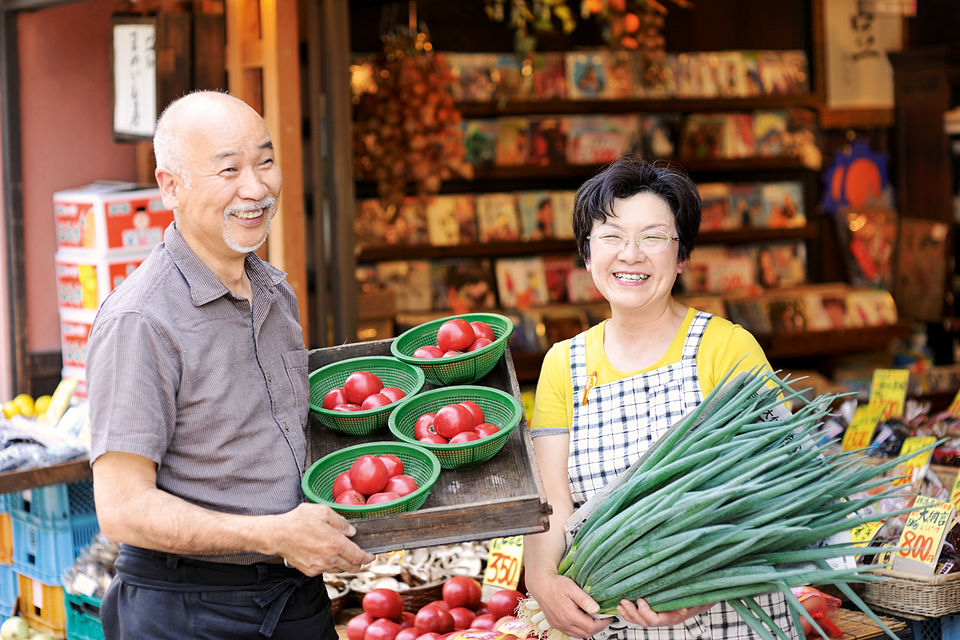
649 242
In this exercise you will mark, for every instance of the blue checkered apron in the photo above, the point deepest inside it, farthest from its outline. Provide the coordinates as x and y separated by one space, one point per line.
620 421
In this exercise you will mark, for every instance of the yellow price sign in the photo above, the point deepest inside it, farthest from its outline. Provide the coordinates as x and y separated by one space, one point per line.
954 408
910 446
888 389
955 493
864 423
862 534
923 533
504 562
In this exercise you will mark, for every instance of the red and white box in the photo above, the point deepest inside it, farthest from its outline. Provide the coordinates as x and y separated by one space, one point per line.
85 279
74 331
80 375
106 217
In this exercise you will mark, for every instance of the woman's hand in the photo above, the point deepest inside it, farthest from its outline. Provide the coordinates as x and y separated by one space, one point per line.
641 614
567 607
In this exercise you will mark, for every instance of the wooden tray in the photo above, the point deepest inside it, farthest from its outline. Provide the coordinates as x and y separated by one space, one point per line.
501 497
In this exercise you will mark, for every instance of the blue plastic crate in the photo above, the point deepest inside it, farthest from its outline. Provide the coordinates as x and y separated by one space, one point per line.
55 505
6 499
9 590
83 617
43 553
950 627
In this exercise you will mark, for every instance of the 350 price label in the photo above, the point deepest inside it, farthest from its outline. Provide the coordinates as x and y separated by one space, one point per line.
504 562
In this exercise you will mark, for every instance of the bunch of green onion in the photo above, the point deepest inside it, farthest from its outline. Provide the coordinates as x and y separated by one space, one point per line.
726 506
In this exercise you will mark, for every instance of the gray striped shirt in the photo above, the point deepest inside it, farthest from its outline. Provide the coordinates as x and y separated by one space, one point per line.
207 385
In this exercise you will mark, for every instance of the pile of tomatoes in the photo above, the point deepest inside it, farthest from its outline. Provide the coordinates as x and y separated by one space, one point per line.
373 479
456 337
383 617
454 424
361 391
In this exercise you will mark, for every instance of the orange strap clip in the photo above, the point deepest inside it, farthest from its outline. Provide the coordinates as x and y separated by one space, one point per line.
591 382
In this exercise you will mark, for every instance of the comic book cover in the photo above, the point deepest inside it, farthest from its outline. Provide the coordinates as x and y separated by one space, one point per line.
746 203
715 207
704 136
373 225
732 73
548 141
581 288
599 140
782 264
783 206
773 73
802 140
873 307
473 79
562 213
750 64
586 75
556 269
719 269
549 76
687 77
660 134
536 215
513 141
921 267
796 72
497 217
512 84
463 285
707 67
521 282
740 142
622 75
451 220
788 314
770 132
658 79
750 313
410 282
480 140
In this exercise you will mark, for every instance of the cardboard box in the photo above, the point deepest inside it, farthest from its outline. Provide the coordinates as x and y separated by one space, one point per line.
80 375
74 330
85 279
110 216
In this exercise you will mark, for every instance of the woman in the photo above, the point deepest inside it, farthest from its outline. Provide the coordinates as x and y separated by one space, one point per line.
609 393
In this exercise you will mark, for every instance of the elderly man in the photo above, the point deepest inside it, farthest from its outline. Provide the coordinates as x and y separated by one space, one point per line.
197 376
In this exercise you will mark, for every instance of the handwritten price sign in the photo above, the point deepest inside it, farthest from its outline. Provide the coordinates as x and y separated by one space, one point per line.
862 534
860 431
888 389
504 562
919 461
923 535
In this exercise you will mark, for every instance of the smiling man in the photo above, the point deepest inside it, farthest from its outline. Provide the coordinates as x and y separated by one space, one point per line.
197 376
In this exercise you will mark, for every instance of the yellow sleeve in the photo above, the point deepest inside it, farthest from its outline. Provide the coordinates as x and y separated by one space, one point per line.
724 344
552 405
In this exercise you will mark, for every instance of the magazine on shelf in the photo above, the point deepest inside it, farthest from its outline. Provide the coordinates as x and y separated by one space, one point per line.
746 203
404 225
463 285
783 206
770 132
739 142
451 220
788 314
826 309
600 140
536 215
513 141
782 264
521 282
660 135
556 270
872 307
480 141
548 141
473 76
921 268
687 77
497 217
704 136
563 213
586 75
715 214
714 269
511 82
707 67
622 75
732 73
409 280
750 313
549 76
750 65
581 288
658 79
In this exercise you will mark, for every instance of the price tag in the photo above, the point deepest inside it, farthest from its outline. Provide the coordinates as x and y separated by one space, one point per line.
955 493
862 534
889 390
504 562
954 408
912 463
860 431
923 533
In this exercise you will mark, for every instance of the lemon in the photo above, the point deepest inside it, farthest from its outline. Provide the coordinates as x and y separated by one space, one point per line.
10 409
25 402
41 404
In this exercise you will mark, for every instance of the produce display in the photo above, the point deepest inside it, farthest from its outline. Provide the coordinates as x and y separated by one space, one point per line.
720 509
373 479
16 628
456 337
361 391
454 424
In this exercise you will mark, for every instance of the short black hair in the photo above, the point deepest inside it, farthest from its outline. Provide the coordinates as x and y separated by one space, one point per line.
629 176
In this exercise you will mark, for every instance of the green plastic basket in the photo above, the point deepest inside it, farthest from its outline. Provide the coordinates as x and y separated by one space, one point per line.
463 369
499 408
391 371
418 463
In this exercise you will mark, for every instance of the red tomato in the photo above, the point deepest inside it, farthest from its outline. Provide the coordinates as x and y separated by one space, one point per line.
401 484
503 602
368 475
438 603
394 393
461 591
341 483
407 633
464 436
407 621
479 343
357 625
433 618
486 429
383 603
462 617
433 438
455 335
383 496
484 621
334 397
350 496
474 410
452 419
452 353
424 426
393 464
482 330
347 406
361 384
428 351
381 629
375 401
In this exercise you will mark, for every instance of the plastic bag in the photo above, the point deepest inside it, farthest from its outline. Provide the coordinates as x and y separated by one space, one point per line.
818 604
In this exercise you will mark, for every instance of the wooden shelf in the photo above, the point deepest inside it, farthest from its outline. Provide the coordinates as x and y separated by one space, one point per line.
65 472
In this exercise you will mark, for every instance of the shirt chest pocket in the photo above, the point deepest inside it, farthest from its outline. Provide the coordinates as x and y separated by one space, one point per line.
295 363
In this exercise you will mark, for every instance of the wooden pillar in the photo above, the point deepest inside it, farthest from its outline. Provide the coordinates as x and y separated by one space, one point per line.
263 69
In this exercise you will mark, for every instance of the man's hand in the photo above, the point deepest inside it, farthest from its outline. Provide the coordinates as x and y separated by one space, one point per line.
315 540
641 614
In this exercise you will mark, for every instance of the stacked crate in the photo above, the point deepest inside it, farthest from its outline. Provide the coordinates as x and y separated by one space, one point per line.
51 526
104 231
8 575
